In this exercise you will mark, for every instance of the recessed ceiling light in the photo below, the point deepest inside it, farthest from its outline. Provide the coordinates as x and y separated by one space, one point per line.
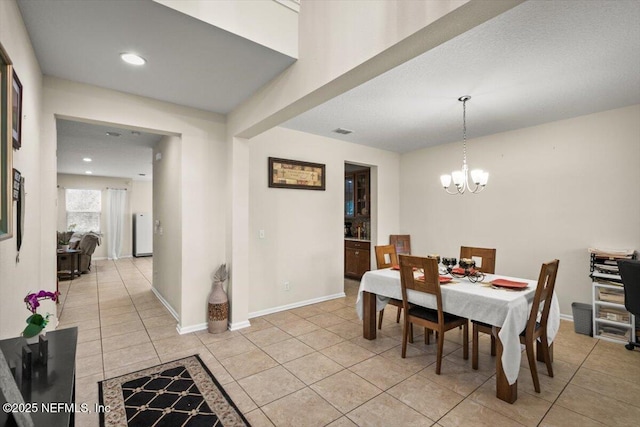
132 58
88 172
87 159
114 134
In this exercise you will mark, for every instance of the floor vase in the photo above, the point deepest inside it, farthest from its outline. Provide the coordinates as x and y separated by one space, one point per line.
218 309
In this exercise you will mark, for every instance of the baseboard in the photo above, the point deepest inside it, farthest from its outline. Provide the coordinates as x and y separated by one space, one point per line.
295 305
193 328
239 325
166 304
104 258
566 317
234 326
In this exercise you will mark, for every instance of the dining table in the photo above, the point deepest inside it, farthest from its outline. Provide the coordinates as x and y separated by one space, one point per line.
506 309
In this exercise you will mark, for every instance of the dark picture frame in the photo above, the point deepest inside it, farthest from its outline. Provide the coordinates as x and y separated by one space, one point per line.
16 111
296 174
6 153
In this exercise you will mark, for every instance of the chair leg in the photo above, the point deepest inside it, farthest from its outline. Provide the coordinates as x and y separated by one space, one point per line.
411 332
532 365
398 315
427 336
544 347
440 351
474 347
465 345
380 319
405 333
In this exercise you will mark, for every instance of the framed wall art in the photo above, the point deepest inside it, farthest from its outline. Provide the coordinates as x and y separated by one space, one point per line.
16 111
6 152
285 173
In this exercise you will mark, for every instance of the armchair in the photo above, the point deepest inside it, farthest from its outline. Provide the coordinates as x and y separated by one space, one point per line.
87 246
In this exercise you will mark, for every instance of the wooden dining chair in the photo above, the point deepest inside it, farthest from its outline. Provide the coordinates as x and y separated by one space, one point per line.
436 320
536 328
487 257
402 242
488 266
386 257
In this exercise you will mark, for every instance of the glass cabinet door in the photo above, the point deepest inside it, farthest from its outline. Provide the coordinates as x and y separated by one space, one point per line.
362 190
349 194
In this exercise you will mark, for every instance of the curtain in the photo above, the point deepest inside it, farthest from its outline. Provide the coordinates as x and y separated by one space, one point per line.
116 200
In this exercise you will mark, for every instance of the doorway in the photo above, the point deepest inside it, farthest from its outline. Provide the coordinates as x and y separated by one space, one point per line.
104 159
357 220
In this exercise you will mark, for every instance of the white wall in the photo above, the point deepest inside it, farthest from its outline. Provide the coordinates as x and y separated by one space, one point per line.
139 196
203 160
554 191
333 58
264 22
167 237
304 230
36 269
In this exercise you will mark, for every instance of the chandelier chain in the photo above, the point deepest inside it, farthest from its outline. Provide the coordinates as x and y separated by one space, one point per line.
464 131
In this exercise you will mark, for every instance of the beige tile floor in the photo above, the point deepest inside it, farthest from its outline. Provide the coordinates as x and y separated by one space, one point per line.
310 366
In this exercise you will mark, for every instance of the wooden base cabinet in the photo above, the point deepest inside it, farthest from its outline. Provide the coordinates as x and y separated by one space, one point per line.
357 258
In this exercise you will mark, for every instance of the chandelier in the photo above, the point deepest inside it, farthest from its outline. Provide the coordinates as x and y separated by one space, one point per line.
460 178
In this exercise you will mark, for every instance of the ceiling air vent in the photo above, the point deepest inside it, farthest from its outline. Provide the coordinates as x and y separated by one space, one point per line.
343 131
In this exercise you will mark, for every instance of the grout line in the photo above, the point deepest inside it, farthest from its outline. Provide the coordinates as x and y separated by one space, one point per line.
594 391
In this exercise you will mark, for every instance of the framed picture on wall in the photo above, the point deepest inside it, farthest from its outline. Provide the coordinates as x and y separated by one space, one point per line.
285 173
6 163
16 111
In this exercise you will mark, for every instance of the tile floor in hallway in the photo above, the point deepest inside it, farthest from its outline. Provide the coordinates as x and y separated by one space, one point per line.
310 366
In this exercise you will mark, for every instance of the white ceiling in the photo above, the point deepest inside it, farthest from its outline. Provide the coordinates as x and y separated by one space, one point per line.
539 62
189 62
124 156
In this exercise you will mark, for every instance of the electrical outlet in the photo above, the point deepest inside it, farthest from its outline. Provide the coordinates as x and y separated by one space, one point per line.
261 234
287 286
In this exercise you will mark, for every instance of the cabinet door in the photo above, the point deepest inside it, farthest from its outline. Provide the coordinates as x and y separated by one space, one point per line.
349 195
362 193
351 262
364 260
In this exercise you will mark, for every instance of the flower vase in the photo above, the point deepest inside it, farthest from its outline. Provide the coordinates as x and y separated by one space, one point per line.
35 339
218 309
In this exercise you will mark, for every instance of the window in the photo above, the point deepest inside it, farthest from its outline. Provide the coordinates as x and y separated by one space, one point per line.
83 210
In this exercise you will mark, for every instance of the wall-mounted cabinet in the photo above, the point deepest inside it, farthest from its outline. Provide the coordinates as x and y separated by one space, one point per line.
357 194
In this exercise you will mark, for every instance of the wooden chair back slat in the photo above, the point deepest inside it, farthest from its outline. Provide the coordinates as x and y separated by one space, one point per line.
381 256
542 300
402 242
488 257
431 282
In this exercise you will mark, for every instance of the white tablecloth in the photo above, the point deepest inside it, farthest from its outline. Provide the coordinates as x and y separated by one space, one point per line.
506 309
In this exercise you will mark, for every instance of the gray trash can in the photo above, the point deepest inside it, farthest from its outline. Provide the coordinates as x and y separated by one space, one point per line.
582 318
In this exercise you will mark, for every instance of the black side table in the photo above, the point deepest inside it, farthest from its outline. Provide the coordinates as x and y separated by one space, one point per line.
53 382
68 263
